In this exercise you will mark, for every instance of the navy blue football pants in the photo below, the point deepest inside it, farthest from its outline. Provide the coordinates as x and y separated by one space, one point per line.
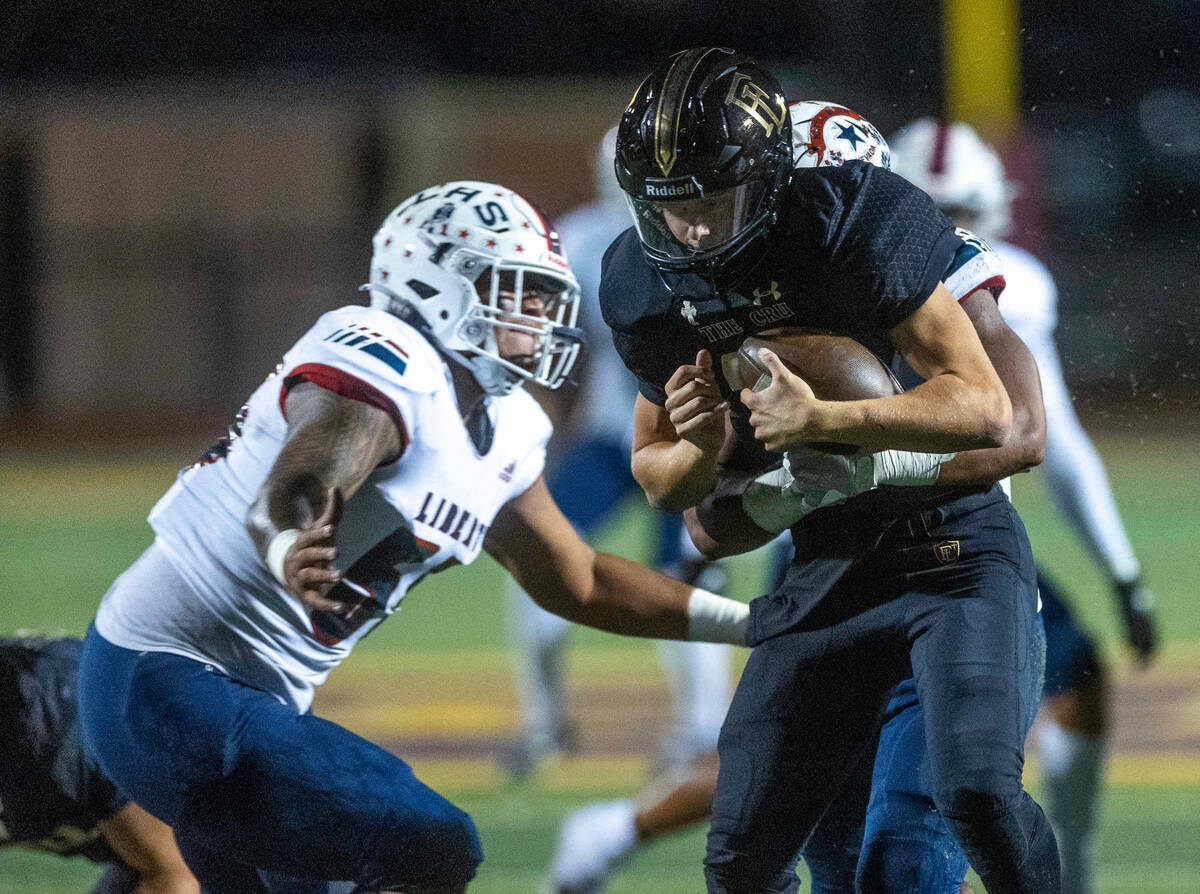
1071 654
263 799
947 596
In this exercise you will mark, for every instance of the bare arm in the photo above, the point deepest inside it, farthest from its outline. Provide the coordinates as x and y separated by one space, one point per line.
148 847
675 446
1018 371
532 539
724 522
333 443
961 405
719 525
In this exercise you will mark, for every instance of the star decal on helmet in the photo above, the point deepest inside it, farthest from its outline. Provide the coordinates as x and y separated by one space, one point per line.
849 133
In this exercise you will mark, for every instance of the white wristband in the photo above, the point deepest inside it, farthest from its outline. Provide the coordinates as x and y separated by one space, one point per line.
904 467
715 619
277 551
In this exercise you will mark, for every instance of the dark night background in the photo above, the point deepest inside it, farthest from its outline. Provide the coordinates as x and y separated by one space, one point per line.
173 175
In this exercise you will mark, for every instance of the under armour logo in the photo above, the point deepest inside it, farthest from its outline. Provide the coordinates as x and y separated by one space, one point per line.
688 310
773 291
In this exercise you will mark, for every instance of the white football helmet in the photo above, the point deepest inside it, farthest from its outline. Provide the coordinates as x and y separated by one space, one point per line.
960 172
826 134
456 254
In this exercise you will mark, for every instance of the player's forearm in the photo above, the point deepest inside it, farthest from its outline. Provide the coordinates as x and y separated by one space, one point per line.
944 414
719 525
674 475
1018 371
332 442
181 882
630 599
1024 449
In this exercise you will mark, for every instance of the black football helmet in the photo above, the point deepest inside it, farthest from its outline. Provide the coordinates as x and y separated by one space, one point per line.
704 152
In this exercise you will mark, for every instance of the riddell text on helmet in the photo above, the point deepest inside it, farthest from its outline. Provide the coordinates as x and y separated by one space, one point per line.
683 189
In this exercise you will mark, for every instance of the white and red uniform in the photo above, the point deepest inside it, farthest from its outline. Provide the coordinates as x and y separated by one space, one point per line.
1074 473
219 604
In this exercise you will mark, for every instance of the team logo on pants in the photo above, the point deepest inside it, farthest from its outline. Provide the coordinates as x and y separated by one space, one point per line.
947 551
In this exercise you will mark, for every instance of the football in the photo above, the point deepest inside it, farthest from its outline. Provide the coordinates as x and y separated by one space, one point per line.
836 367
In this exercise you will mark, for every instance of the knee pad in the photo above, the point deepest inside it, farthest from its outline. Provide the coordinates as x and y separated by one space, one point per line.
731 872
451 854
729 880
916 863
973 803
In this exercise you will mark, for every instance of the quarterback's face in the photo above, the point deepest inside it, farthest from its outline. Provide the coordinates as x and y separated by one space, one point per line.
701 223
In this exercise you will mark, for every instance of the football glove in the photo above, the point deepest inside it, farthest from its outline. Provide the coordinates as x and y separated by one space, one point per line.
811 479
1136 604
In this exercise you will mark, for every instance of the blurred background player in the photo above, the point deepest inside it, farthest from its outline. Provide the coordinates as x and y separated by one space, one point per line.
966 179
53 798
589 479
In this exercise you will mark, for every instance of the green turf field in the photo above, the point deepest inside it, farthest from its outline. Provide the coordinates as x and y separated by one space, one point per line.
70 523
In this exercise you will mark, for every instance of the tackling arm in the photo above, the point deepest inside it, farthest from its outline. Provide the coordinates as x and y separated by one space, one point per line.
333 443
532 539
1014 363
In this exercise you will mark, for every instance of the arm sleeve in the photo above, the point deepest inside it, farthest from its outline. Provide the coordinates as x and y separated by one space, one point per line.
974 266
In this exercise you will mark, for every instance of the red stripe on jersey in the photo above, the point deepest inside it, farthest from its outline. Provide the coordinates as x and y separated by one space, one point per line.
994 284
341 382
937 164
388 341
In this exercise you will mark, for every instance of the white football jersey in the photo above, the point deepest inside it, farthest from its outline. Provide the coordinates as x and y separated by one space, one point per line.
426 511
1072 469
1031 310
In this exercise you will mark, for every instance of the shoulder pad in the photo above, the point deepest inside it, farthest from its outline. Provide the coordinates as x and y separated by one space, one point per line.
375 341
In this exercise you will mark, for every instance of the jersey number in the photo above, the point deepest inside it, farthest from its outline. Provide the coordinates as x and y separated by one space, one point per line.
366 586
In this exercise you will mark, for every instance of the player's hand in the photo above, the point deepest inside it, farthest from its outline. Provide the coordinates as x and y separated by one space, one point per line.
1137 614
695 404
307 567
781 412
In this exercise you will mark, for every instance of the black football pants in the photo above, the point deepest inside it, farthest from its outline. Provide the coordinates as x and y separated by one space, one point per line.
948 596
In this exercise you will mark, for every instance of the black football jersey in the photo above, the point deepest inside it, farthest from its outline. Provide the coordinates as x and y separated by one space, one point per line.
51 795
857 249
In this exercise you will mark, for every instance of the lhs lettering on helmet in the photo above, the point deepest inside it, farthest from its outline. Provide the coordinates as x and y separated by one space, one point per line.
756 102
491 213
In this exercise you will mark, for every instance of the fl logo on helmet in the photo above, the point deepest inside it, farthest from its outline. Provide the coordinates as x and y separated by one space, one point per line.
767 110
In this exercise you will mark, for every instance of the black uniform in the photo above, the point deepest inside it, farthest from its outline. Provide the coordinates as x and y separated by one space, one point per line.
936 583
51 795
